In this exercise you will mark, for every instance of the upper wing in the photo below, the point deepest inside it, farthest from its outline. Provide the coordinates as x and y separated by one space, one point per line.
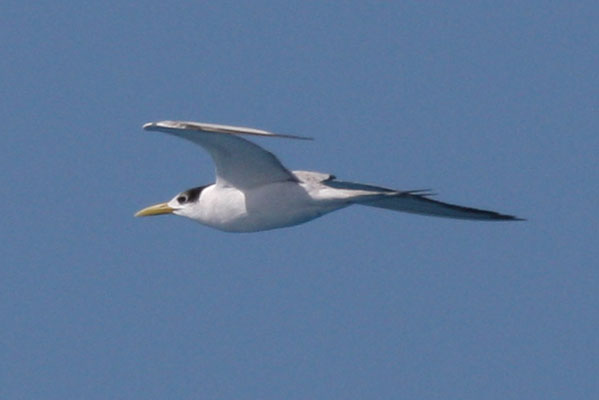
239 163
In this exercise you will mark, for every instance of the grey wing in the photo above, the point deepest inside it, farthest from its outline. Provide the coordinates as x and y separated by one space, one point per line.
239 162
418 202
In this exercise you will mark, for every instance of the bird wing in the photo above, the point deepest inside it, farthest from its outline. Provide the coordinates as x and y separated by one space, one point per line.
239 162
418 202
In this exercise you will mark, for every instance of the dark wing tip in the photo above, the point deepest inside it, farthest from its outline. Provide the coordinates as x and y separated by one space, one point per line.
471 213
495 216
285 136
513 218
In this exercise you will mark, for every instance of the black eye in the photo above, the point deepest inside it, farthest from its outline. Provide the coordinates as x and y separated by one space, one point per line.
181 199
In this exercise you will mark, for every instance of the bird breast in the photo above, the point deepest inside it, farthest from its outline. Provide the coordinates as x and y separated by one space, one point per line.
266 207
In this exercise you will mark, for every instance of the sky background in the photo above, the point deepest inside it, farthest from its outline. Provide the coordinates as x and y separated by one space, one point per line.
491 104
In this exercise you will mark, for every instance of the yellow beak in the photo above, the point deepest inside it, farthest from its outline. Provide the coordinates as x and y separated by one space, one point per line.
156 209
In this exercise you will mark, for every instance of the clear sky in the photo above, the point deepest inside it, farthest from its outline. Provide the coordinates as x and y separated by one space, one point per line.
491 104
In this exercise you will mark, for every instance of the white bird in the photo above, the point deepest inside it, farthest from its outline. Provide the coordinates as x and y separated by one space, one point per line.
255 192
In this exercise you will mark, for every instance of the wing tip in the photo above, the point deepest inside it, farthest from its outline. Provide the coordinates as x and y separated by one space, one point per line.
163 125
284 136
495 216
512 218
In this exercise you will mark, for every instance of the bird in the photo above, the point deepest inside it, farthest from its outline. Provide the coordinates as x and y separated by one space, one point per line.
254 192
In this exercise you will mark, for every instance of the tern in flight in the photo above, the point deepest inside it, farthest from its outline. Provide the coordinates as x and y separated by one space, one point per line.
255 192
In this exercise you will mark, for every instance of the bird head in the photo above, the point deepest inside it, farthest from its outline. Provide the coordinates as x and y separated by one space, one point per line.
182 204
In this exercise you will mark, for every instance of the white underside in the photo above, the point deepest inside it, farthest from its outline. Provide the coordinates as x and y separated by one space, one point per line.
266 207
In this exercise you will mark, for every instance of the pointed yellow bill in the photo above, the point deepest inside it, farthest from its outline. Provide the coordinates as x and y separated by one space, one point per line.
157 209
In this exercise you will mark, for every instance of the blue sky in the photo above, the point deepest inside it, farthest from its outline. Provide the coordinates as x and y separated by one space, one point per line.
491 104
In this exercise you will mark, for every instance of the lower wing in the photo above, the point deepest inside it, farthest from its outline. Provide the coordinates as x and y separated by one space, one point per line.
418 202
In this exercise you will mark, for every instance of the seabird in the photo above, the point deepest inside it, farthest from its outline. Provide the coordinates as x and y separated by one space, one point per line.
255 192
